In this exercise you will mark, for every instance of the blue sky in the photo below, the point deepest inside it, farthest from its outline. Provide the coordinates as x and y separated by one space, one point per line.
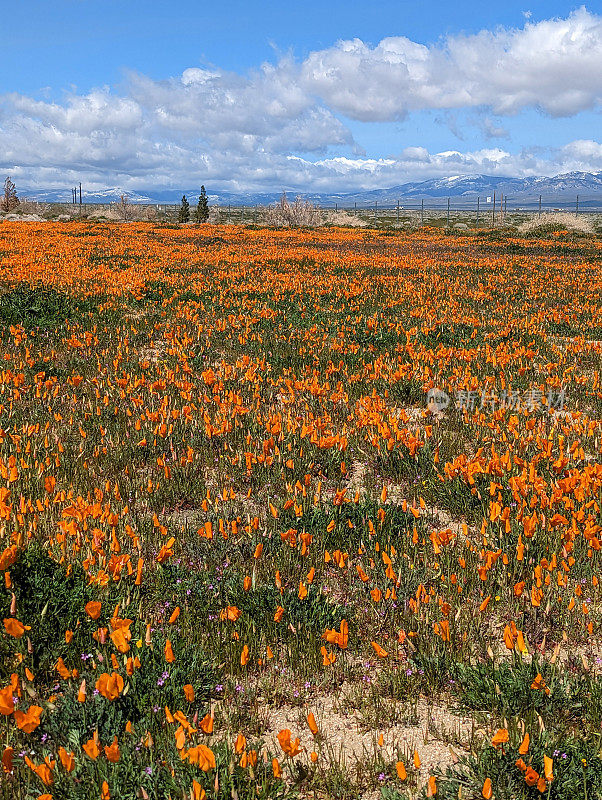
336 95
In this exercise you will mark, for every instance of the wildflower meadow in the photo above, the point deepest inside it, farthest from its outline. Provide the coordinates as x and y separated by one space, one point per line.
299 513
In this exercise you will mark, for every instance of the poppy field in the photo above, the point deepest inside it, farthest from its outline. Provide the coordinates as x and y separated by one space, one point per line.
299 513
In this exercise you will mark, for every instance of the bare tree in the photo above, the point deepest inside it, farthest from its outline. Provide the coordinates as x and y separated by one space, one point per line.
9 200
124 208
296 214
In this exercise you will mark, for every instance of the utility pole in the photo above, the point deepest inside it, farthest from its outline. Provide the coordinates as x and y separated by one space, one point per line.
80 199
478 204
398 213
493 212
448 212
540 205
577 206
375 210
422 213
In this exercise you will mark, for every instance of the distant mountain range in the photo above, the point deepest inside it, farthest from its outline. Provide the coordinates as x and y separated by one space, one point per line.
561 190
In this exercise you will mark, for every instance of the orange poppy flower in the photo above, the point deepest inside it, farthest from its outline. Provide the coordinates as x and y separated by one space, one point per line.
290 748
15 628
500 738
206 724
93 609
7 760
29 720
380 652
198 793
169 654
110 686
67 759
43 770
7 703
524 745
112 751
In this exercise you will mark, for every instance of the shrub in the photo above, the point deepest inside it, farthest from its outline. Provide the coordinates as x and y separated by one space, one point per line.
299 213
547 224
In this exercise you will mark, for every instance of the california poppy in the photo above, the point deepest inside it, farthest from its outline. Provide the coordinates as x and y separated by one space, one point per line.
206 724
380 652
169 654
91 748
7 703
15 628
290 748
110 686
29 720
93 609
500 738
112 751
67 759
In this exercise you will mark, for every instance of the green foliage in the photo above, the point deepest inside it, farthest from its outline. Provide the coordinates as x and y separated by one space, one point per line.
202 209
52 597
184 212
38 307
577 771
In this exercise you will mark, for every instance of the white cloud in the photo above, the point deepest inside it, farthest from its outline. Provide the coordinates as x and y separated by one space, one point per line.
283 124
554 65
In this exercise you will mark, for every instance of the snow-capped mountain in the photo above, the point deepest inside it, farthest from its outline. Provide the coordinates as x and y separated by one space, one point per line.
561 189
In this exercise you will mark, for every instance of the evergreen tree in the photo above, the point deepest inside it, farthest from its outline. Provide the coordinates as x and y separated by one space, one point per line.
184 215
202 209
9 199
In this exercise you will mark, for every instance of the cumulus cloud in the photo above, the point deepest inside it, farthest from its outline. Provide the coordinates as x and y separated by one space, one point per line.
554 65
286 124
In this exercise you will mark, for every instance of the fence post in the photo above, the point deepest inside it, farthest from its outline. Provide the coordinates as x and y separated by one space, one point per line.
478 209
448 212
422 213
577 206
